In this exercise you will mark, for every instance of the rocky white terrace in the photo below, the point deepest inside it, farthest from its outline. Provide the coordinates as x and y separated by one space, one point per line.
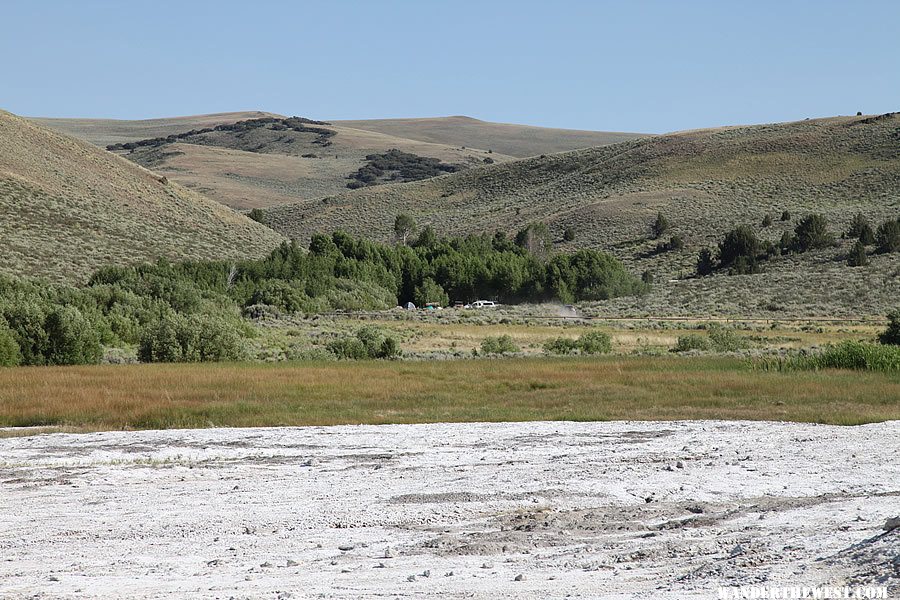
519 510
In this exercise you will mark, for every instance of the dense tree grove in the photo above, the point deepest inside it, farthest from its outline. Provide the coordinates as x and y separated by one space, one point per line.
192 311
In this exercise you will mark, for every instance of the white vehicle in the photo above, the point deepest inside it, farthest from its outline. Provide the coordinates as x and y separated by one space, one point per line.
484 304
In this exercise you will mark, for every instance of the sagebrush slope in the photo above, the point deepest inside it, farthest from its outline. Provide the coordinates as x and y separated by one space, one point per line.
69 207
705 182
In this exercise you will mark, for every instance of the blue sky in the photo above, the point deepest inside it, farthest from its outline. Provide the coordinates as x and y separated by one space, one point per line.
649 66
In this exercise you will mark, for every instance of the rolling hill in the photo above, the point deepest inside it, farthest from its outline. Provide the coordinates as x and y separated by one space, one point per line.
704 181
270 166
69 207
514 140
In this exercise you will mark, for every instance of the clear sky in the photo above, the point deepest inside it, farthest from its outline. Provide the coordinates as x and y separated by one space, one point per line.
647 66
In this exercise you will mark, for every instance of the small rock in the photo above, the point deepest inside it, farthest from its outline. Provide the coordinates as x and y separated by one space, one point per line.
892 524
519 577
679 464
380 565
387 553
292 563
737 551
54 578
487 565
448 574
266 565
345 548
411 578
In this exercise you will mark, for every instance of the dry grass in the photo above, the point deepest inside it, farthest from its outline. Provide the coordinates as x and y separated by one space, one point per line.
659 388
259 168
514 140
68 208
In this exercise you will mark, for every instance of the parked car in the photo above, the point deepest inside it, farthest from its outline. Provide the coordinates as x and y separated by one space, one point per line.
483 304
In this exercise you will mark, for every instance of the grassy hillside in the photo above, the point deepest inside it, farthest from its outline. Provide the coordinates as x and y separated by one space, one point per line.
69 207
705 182
262 167
102 132
515 140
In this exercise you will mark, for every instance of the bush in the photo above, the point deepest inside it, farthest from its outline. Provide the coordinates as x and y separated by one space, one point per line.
812 232
594 342
857 256
10 356
257 215
691 341
767 220
739 250
705 263
569 234
718 340
785 216
194 338
891 335
71 339
368 342
659 226
561 345
887 238
26 320
858 225
498 345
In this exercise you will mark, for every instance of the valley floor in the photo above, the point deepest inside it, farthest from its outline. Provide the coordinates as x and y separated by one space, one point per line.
514 510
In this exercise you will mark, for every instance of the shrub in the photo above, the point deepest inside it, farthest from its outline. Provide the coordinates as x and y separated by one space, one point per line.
569 234
26 320
887 238
659 226
719 340
891 335
767 220
280 294
739 250
595 342
726 340
705 263
857 256
195 338
71 339
812 232
561 345
10 356
368 342
257 215
502 344
691 341
785 216
858 224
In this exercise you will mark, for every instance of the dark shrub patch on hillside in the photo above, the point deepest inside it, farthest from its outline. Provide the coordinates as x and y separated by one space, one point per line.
394 165
298 124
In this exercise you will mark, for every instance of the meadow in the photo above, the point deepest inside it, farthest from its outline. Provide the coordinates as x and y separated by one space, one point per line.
163 396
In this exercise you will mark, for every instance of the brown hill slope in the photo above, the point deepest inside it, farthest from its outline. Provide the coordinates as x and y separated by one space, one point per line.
705 182
506 138
260 167
69 207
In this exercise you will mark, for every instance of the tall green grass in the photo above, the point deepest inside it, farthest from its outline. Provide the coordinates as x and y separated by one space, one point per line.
858 356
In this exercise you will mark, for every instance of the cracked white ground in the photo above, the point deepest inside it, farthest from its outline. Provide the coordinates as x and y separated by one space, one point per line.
581 510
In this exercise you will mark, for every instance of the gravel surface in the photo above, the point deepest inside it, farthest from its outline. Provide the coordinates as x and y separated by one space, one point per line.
517 510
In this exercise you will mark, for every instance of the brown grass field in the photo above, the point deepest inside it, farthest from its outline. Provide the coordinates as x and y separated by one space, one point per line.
242 395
